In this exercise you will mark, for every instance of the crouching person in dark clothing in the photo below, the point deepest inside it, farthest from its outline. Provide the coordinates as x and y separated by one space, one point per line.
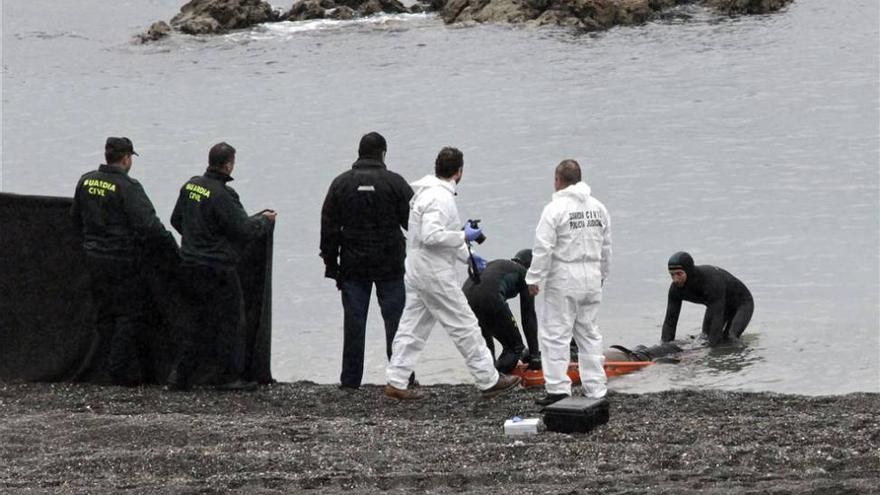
499 281
362 245
214 227
118 223
729 304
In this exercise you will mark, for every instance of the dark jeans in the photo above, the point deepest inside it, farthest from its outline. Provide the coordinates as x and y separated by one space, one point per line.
213 331
355 304
497 321
120 297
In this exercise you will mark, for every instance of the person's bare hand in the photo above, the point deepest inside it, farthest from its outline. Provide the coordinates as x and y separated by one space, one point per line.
534 290
270 214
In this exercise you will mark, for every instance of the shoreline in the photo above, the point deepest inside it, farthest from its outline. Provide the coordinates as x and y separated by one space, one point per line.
293 437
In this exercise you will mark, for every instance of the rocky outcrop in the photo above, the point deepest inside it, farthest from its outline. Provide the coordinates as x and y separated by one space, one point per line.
739 7
157 31
304 10
218 16
587 15
212 17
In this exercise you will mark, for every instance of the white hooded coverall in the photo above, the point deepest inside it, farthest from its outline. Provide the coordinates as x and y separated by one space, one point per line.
570 261
433 292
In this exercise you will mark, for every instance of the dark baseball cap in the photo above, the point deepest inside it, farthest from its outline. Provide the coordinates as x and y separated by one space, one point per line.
119 145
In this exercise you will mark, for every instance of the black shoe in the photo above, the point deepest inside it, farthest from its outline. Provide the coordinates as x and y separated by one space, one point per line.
176 387
550 399
175 383
237 385
348 390
507 361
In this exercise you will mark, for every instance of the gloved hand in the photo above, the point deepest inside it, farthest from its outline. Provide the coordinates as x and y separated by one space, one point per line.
479 261
470 233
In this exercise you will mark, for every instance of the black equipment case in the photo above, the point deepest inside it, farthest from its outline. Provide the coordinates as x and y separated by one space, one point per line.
576 414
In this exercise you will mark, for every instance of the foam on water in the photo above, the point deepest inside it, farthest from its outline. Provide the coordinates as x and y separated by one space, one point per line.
288 29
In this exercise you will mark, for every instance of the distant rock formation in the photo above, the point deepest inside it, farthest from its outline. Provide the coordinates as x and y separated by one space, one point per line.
219 16
158 30
304 10
587 15
212 17
750 7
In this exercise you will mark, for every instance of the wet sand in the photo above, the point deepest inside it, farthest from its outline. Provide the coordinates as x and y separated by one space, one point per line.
302 437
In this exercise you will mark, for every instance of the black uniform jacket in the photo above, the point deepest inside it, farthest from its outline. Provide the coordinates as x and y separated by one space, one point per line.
500 281
714 287
213 224
361 221
115 216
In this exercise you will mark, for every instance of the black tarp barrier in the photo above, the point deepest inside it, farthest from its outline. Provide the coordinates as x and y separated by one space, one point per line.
47 321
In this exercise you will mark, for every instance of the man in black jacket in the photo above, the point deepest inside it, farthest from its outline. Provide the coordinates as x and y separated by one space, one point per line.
362 244
499 281
214 227
119 227
729 304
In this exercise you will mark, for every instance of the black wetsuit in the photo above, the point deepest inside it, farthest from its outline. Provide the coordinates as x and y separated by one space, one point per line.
729 304
500 281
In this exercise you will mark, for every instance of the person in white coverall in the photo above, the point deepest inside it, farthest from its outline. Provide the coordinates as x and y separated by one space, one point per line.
433 291
570 262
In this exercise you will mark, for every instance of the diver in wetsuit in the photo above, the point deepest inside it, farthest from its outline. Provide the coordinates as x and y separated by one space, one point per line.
499 281
729 304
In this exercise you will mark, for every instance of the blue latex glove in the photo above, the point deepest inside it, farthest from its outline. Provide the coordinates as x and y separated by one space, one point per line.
471 233
479 261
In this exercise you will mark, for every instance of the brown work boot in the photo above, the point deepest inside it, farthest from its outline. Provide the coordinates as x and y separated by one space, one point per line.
505 384
400 393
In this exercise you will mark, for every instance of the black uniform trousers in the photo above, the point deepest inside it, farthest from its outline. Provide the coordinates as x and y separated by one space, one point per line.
120 296
213 334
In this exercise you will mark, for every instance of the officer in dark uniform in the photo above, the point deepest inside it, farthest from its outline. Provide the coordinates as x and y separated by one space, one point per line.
729 304
214 226
119 227
499 281
362 245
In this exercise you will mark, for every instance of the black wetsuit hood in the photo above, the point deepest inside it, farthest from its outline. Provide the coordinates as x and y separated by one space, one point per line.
524 258
681 261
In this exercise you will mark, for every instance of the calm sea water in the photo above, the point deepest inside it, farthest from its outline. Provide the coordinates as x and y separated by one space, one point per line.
750 142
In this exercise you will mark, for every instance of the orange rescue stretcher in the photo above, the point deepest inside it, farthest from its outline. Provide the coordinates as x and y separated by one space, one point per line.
535 378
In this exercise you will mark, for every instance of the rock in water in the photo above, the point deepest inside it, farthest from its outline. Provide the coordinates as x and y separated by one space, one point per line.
217 16
588 15
341 9
739 7
158 30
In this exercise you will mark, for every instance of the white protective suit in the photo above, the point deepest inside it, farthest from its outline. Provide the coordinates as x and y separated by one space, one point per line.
570 261
435 245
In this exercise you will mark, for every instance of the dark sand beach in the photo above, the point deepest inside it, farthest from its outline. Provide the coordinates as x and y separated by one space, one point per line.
302 437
